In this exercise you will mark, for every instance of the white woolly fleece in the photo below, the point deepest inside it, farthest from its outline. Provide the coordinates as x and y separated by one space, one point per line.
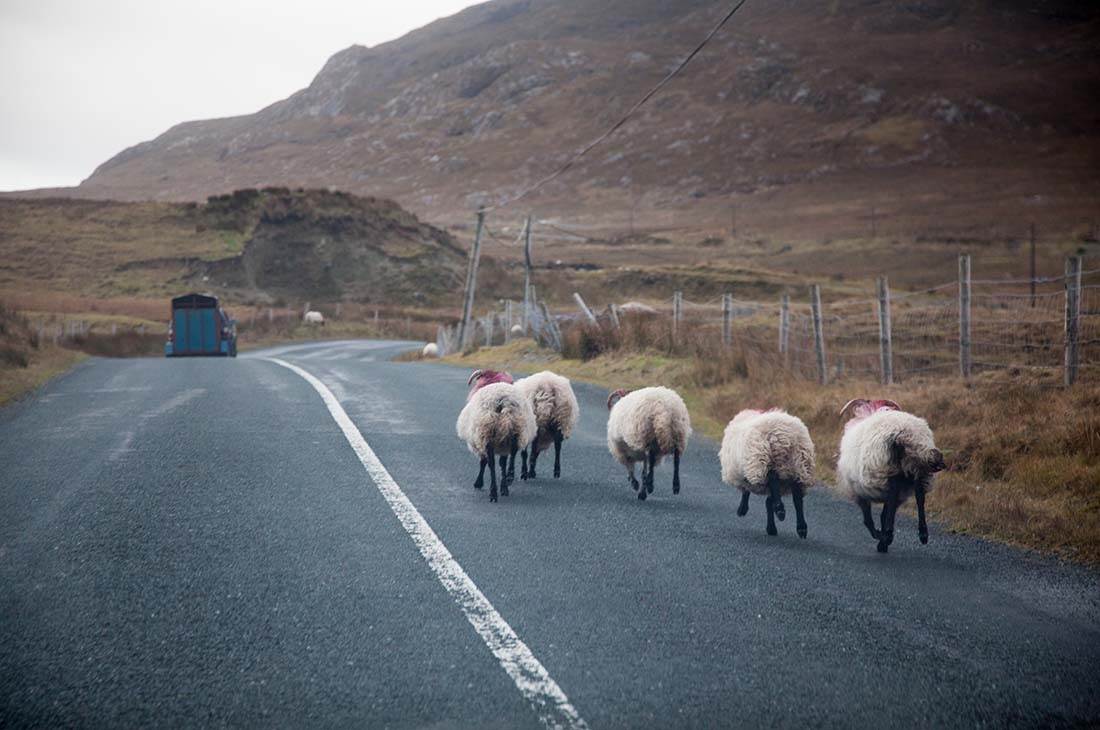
756 443
644 417
866 459
493 415
554 403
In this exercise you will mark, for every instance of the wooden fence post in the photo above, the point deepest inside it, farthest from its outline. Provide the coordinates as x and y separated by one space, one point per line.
552 326
1034 275
785 325
885 343
819 334
614 310
964 315
727 319
1073 318
677 314
584 308
471 283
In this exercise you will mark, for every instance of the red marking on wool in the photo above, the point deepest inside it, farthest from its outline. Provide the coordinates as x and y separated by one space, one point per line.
488 377
869 408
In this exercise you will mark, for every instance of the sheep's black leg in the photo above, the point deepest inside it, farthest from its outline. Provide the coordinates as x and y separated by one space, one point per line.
777 501
534 458
647 478
922 526
868 520
769 505
889 510
743 508
492 474
630 475
651 459
523 465
557 453
480 481
676 471
510 475
800 518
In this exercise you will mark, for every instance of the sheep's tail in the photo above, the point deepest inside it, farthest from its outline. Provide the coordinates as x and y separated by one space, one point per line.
666 431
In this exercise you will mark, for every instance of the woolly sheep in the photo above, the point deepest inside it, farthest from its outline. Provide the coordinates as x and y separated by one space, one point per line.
517 330
556 410
646 425
314 318
886 455
430 350
768 453
497 419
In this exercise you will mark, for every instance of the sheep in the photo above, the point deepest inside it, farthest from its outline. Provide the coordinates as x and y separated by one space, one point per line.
430 350
314 318
768 453
496 419
517 330
556 411
646 425
886 455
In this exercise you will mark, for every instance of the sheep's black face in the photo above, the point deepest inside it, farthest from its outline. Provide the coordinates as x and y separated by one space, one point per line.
916 463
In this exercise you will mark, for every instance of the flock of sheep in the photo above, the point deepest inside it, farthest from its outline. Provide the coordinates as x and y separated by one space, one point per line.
886 454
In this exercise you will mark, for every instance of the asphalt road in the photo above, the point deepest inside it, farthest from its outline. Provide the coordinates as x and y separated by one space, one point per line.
194 542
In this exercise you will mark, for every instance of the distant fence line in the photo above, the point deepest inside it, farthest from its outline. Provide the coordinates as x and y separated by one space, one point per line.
957 328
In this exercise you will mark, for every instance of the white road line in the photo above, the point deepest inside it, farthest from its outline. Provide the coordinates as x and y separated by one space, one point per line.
531 678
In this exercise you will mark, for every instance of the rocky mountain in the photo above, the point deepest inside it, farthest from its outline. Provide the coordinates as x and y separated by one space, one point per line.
798 108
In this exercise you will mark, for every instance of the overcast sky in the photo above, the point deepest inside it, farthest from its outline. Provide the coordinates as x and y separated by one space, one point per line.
82 79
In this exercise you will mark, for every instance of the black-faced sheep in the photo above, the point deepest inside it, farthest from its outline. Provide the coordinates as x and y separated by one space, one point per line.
497 419
768 453
886 455
646 425
556 411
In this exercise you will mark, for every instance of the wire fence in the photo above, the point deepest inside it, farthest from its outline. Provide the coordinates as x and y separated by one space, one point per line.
961 328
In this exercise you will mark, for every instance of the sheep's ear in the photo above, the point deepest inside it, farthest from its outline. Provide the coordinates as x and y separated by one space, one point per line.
890 403
851 405
474 376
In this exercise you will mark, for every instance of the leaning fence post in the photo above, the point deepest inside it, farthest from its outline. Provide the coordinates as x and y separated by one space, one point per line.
727 319
885 344
555 333
614 310
1073 317
677 314
964 315
584 307
819 334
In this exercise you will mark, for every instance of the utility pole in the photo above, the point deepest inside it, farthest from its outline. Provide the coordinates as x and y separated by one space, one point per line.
527 276
471 283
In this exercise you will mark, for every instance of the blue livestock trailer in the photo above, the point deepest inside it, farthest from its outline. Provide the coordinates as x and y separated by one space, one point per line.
199 327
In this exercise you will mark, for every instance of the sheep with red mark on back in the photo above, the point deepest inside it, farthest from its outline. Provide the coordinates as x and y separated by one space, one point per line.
496 420
886 456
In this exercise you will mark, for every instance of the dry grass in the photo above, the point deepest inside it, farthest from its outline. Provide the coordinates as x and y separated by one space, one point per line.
25 362
1023 459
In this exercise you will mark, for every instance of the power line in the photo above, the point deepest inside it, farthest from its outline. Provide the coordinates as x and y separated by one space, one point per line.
637 105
